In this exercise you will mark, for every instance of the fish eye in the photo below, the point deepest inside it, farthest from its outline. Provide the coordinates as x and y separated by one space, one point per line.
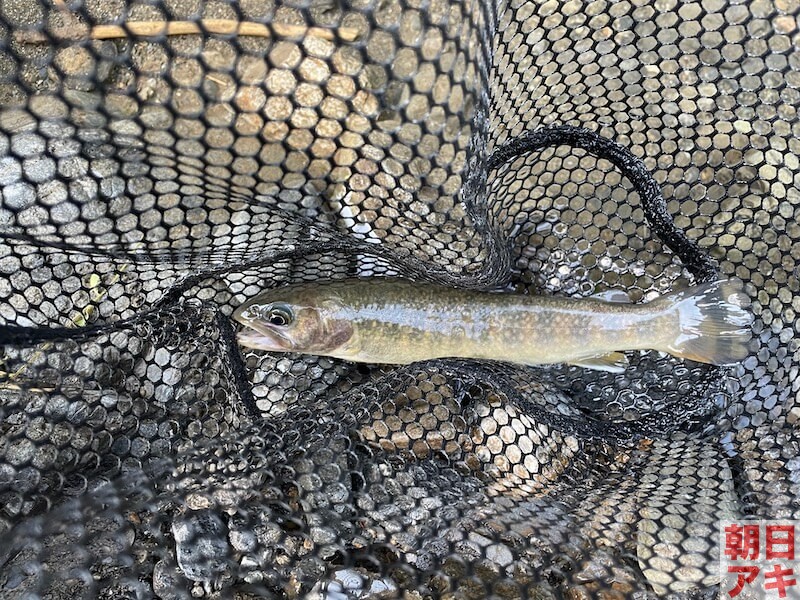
280 316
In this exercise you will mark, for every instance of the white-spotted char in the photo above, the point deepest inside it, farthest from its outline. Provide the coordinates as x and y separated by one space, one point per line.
395 321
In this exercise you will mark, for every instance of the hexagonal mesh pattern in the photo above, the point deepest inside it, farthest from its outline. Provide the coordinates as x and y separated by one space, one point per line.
161 162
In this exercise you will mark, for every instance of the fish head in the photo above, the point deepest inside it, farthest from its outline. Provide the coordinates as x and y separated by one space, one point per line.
283 321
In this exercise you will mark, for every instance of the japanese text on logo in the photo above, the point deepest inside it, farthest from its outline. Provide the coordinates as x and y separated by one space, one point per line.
757 559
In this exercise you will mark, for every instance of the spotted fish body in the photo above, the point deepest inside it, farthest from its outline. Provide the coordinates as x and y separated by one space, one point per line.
394 321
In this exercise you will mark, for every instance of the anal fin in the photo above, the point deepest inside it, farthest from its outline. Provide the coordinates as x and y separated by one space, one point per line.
613 362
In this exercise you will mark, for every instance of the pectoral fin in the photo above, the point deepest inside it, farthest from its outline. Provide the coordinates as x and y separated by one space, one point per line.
613 362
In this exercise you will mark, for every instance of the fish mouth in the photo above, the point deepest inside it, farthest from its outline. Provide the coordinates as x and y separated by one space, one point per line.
263 339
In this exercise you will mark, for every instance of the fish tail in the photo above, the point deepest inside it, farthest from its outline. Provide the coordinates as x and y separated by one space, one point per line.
709 323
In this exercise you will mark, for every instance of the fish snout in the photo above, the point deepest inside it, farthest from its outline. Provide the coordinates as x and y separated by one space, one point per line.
246 313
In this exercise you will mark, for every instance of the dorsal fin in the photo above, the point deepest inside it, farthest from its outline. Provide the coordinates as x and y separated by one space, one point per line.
618 296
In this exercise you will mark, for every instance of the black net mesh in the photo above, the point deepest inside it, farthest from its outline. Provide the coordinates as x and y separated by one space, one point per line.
162 161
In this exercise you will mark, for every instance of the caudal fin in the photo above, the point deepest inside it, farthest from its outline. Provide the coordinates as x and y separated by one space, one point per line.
711 322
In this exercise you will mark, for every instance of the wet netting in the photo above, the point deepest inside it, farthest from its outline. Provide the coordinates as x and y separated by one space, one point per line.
162 161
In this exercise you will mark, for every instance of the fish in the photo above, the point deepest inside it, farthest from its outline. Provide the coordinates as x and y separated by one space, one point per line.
387 320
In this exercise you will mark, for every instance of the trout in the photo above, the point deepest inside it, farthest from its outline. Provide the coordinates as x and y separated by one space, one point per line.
394 321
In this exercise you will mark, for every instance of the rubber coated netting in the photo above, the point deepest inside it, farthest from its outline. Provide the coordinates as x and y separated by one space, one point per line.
161 161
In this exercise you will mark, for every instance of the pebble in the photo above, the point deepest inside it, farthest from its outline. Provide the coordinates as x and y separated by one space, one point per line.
347 584
168 583
201 545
